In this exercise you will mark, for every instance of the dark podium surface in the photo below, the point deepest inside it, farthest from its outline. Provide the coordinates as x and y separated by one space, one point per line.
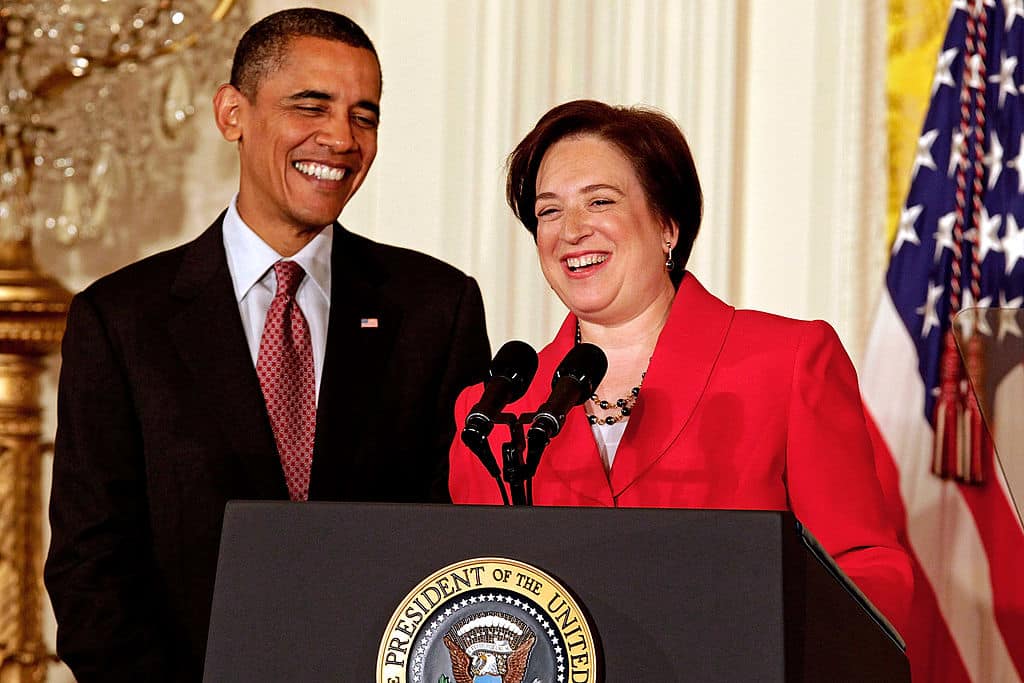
305 591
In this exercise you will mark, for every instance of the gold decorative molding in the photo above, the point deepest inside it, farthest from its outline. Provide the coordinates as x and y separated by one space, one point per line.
33 308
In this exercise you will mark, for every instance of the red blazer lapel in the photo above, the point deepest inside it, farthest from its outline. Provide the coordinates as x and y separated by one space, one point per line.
572 456
679 372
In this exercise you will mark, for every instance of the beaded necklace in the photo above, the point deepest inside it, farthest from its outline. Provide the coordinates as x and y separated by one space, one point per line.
624 404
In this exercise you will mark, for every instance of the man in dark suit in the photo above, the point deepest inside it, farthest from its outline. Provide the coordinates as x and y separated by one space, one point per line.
169 364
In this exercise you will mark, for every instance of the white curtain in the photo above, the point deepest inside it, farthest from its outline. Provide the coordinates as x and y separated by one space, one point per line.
782 101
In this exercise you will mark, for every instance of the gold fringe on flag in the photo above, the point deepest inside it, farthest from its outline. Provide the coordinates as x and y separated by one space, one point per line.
980 440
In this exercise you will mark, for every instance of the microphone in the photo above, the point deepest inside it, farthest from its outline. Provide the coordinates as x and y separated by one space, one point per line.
509 376
574 382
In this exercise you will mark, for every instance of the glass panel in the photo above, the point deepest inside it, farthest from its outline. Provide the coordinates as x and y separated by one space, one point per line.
991 344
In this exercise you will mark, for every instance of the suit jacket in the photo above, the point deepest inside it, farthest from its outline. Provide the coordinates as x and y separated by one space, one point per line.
161 421
738 410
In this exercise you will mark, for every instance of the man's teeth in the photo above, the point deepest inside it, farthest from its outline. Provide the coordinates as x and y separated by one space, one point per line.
320 171
575 263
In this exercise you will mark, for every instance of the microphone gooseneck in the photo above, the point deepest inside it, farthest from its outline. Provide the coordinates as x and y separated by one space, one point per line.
508 378
575 380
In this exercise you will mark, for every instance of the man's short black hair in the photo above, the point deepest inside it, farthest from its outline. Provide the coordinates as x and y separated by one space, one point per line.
265 44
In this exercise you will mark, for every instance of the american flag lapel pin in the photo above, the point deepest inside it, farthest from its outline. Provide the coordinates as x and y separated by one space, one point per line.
368 323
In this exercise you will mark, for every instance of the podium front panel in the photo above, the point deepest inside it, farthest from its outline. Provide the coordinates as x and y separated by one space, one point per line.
306 591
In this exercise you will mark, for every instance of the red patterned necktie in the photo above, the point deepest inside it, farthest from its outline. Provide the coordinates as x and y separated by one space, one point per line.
285 369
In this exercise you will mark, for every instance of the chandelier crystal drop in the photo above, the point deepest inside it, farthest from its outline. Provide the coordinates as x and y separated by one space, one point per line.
95 95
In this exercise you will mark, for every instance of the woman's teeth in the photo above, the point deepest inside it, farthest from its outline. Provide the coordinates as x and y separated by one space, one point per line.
575 263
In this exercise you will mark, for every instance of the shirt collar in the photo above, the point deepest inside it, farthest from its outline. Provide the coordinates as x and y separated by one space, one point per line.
249 257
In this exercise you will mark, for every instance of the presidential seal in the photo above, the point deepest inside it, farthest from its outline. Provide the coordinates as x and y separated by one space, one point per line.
488 620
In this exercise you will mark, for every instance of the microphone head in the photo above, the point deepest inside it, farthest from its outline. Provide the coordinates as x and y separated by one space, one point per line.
585 363
516 363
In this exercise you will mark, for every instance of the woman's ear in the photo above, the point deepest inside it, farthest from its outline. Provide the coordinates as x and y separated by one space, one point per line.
227 106
670 232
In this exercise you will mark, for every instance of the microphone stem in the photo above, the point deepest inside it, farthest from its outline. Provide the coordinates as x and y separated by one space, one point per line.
515 473
504 496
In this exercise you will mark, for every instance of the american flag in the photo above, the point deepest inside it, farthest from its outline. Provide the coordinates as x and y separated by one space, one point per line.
959 245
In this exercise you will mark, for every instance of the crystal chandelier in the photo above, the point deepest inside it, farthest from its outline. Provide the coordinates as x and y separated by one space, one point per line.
94 97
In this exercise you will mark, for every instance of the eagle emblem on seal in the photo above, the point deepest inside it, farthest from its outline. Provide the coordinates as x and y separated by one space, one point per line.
489 647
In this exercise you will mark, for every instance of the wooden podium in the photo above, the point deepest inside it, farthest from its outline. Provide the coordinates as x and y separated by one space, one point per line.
306 591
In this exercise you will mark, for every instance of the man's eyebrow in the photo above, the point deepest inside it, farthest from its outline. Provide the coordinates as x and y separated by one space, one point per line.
327 97
310 95
371 106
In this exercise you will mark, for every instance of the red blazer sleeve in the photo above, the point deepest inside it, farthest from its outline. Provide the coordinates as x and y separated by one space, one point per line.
830 475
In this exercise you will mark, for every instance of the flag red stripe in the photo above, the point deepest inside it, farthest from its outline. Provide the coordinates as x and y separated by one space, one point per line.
930 646
955 601
933 654
1000 533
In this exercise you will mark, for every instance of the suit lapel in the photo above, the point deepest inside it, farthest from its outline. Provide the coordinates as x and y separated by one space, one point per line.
360 334
220 364
676 379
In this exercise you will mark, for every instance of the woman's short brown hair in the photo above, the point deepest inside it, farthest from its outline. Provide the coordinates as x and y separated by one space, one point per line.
651 142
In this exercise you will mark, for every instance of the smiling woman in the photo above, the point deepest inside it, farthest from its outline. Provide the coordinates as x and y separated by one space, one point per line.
703 405
598 241
614 203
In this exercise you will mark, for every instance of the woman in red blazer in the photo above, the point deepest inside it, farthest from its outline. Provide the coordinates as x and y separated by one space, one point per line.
703 406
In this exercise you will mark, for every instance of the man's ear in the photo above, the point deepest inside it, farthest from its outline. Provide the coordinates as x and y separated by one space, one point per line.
227 110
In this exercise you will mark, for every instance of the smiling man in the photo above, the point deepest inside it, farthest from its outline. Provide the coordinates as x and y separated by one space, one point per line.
277 356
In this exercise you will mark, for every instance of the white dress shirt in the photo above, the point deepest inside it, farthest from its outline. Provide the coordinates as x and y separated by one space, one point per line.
251 262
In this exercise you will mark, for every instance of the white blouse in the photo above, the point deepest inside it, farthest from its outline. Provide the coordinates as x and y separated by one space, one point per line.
608 438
